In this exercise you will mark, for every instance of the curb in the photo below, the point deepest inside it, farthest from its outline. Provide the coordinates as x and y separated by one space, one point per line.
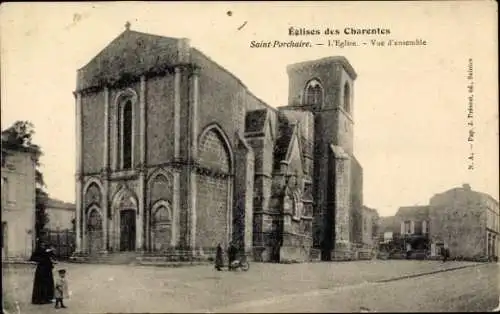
18 263
425 274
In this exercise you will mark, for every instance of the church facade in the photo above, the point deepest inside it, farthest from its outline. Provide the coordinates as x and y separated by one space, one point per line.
175 154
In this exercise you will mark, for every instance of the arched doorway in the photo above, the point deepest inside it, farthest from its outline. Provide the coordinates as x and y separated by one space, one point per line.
124 220
94 231
161 226
127 230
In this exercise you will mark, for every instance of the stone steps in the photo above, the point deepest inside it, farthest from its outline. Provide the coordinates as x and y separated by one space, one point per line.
176 259
119 258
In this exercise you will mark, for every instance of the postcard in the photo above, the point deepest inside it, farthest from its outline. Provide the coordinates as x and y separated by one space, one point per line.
250 157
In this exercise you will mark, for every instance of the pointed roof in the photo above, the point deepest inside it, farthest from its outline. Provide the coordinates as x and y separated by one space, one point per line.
282 145
131 53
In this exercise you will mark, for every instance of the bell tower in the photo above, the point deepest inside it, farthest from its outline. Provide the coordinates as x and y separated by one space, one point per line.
325 87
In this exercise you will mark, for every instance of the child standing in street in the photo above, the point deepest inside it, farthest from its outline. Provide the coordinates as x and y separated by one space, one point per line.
61 290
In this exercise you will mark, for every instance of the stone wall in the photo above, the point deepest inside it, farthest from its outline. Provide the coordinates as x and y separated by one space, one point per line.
220 98
243 196
458 219
356 195
160 119
18 203
93 131
212 212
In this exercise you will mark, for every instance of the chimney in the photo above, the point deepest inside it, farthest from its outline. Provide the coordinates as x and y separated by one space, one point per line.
183 48
466 187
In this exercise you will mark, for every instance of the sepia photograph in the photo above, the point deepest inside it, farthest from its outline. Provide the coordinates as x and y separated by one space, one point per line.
249 157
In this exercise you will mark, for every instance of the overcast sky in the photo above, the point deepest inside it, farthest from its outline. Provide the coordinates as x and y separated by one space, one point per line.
410 103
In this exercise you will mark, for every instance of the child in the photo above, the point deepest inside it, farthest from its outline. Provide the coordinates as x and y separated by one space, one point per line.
61 290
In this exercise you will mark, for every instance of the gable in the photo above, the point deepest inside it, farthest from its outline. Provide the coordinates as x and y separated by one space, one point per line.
294 156
130 54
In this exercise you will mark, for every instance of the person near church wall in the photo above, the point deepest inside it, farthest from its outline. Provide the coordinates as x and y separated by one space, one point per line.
43 284
219 259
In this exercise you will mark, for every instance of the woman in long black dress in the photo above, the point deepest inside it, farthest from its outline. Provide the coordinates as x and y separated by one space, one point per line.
43 286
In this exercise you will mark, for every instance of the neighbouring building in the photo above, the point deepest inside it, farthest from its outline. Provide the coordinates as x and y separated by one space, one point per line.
369 233
388 227
408 229
414 227
18 201
465 221
61 215
460 219
175 154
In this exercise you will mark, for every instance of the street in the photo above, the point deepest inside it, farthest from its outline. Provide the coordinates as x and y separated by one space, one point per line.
316 287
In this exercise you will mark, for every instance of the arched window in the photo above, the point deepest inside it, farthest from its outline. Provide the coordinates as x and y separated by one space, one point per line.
162 215
347 97
125 134
313 93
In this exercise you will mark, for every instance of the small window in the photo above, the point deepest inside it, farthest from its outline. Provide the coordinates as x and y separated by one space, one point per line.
8 192
4 187
407 227
313 94
347 97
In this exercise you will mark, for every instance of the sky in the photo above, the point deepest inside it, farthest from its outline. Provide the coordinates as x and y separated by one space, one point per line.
410 103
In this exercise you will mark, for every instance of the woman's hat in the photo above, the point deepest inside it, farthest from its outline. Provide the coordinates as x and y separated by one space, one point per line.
62 271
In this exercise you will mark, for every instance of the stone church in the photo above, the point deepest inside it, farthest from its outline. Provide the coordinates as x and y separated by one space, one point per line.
175 155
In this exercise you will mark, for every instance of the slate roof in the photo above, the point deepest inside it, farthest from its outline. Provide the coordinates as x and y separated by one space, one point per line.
413 212
255 120
131 53
55 203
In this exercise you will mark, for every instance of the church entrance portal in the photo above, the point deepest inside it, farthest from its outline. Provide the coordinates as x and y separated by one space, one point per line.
127 230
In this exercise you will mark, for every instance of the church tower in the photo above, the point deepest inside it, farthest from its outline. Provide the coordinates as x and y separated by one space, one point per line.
325 87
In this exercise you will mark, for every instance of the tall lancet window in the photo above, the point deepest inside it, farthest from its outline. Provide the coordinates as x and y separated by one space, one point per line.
313 93
125 135
347 97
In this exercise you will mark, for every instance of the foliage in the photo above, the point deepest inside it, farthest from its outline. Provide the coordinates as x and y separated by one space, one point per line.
19 137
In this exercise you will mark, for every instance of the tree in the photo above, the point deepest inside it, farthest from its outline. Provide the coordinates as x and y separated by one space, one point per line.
19 137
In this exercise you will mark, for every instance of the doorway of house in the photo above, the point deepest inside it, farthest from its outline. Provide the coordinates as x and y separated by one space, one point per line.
127 230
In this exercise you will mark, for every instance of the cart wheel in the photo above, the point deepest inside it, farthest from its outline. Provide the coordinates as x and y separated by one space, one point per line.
245 266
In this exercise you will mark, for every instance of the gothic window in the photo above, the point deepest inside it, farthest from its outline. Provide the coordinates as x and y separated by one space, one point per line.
213 151
313 94
347 97
125 134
